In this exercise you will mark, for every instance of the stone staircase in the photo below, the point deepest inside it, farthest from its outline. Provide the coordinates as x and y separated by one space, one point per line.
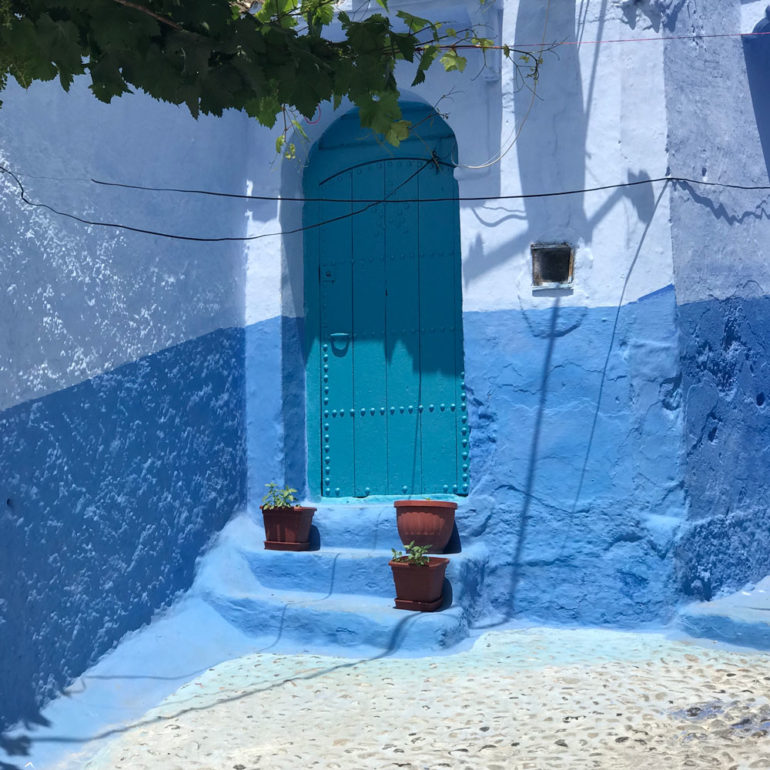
339 596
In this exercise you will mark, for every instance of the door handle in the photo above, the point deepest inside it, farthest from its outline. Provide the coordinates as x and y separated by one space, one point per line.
340 343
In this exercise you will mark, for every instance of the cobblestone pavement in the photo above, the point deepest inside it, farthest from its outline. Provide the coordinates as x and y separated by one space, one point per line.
531 698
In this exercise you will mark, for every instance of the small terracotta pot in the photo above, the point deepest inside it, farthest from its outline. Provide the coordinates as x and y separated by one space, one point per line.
426 522
288 529
419 587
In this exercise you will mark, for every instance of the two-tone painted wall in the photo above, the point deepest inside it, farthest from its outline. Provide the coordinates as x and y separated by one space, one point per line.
122 382
618 428
718 98
574 396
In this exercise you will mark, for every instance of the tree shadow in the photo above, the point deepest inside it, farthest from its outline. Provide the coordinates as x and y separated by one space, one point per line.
553 125
20 745
756 52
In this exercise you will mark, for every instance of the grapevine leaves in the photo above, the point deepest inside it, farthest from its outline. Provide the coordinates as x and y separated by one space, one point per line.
268 58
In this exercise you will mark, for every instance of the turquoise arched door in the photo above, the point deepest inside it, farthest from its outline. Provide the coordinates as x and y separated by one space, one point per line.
386 407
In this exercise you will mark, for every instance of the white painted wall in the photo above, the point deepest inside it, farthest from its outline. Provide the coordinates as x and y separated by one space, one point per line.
622 237
78 300
83 300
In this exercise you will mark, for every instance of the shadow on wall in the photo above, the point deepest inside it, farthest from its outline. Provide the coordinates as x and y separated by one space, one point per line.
573 489
658 14
582 428
560 95
756 51
553 127
726 371
551 148
109 490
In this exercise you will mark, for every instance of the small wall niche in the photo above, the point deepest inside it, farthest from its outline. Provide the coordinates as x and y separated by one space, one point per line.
552 266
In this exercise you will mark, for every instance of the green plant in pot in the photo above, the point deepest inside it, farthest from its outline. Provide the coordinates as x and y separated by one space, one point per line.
287 526
425 521
419 578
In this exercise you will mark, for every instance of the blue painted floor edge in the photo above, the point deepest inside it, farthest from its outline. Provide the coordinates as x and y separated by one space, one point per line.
155 661
191 636
145 667
741 618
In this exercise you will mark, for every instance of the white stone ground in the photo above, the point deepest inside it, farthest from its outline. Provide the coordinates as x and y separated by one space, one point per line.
530 698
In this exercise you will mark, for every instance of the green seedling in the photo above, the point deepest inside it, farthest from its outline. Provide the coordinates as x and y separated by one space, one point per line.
415 554
278 498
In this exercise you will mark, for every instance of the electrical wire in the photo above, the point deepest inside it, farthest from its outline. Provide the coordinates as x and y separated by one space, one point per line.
517 131
460 198
370 202
655 39
221 239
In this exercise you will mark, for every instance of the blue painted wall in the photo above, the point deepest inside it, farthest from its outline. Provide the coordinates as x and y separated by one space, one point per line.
618 455
275 405
718 132
577 488
79 300
726 379
109 490
575 465
122 428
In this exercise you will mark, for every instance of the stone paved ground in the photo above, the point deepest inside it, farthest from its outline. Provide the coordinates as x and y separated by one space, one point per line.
530 698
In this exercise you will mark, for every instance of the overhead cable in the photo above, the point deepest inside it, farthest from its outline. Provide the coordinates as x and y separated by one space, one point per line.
460 198
651 39
370 202
202 239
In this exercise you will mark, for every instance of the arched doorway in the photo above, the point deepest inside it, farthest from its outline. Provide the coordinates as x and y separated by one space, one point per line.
385 400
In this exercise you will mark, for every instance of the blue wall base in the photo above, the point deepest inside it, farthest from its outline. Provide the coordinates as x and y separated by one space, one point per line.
144 668
575 417
741 618
109 490
726 379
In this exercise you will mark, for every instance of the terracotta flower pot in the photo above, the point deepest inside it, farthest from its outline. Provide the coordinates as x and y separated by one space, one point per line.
426 522
419 587
287 529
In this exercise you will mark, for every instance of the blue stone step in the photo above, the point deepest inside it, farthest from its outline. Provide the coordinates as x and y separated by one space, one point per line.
372 527
342 571
345 620
333 597
346 570
741 618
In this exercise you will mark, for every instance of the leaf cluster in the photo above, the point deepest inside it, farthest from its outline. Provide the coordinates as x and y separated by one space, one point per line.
277 497
415 554
267 57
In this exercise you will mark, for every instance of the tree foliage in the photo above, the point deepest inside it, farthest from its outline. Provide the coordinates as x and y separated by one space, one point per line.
269 58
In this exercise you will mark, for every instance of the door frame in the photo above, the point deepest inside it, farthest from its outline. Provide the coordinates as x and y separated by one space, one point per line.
344 131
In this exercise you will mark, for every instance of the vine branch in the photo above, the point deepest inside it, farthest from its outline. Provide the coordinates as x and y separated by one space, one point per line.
148 12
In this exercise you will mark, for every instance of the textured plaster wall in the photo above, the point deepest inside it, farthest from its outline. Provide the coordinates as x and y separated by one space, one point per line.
605 419
717 99
726 374
575 395
109 490
575 433
79 300
122 429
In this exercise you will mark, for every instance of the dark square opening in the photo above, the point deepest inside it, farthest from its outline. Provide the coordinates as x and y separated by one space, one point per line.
552 264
